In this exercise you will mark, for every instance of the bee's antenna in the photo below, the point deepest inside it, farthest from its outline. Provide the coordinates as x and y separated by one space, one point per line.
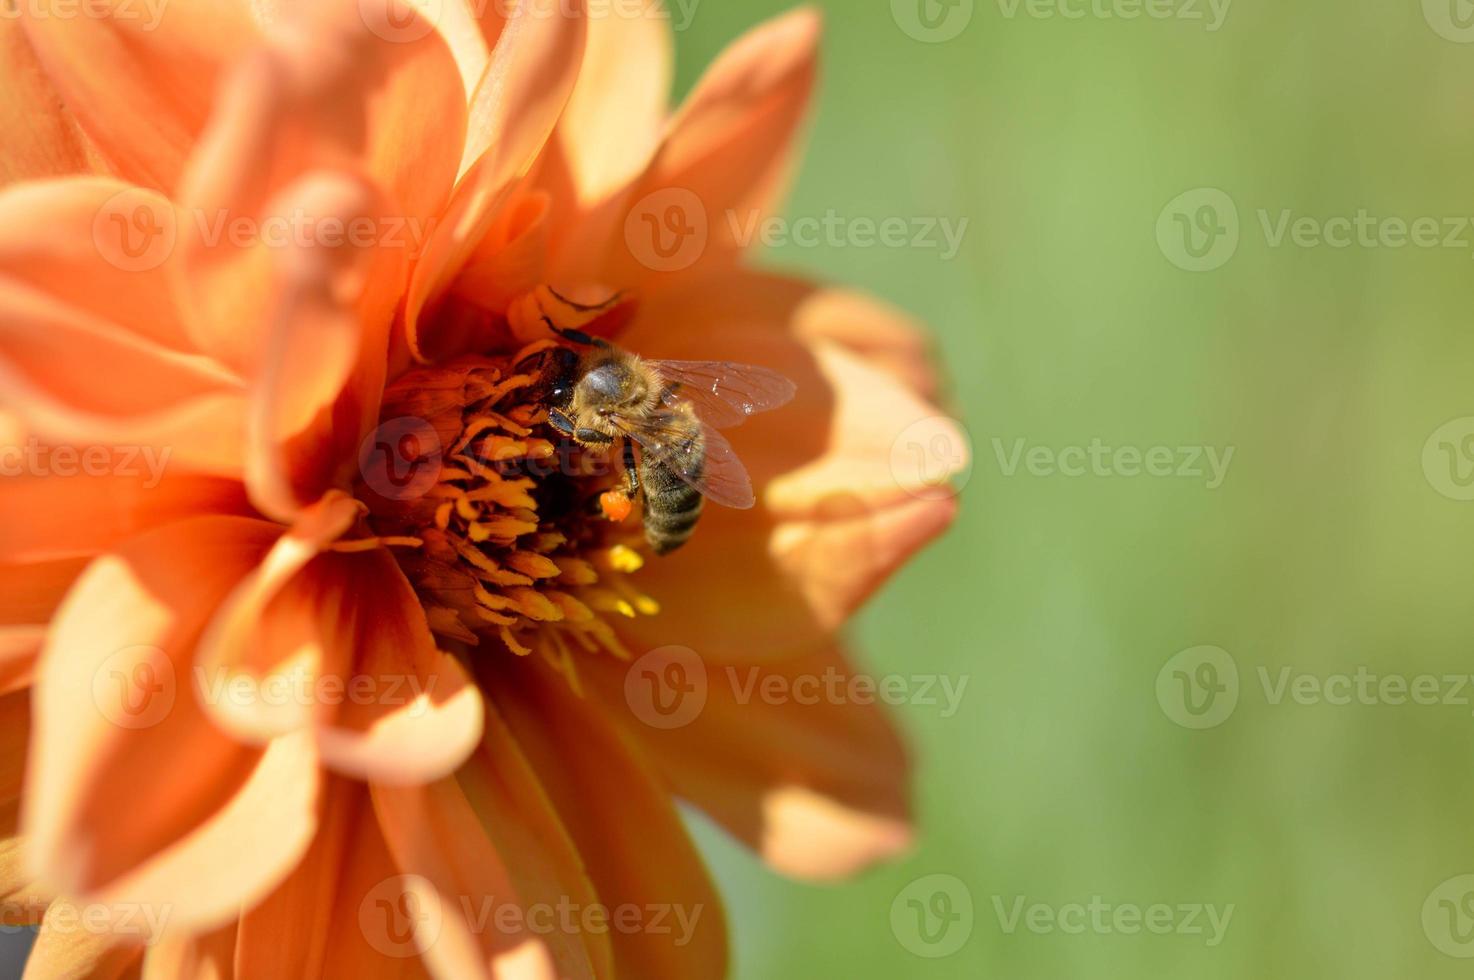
577 336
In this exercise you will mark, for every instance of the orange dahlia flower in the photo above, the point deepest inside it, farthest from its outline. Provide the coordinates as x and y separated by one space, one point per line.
321 657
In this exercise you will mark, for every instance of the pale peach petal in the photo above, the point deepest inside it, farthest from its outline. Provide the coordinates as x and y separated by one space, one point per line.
720 167
42 137
141 78
327 93
237 855
65 951
23 899
449 864
633 843
316 391
115 238
96 367
132 793
209 956
619 105
532 72
815 781
885 336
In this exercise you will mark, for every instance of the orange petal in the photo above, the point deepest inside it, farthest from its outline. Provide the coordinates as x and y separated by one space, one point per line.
450 865
15 729
43 137
532 71
59 515
814 779
19 648
620 818
340 644
287 934
412 714
721 164
31 592
316 391
327 93
132 793
340 914
245 650
139 79
544 865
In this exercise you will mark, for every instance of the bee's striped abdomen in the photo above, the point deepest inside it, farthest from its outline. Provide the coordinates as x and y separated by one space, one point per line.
671 508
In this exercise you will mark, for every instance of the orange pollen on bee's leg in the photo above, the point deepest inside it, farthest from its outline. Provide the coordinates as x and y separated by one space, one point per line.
509 531
616 505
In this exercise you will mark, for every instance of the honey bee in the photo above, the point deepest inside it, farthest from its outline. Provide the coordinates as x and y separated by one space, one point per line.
671 410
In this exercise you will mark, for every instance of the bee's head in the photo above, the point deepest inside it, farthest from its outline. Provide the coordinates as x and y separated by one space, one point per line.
558 374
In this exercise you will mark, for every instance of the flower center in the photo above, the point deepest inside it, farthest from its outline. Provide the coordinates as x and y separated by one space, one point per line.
512 539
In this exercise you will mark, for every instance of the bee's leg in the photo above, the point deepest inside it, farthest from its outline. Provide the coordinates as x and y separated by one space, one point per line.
630 472
592 437
558 420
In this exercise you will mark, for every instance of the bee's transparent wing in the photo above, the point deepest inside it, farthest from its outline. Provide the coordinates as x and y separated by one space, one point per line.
708 464
724 393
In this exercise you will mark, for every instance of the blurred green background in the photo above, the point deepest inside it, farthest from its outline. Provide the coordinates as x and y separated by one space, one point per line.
1333 544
